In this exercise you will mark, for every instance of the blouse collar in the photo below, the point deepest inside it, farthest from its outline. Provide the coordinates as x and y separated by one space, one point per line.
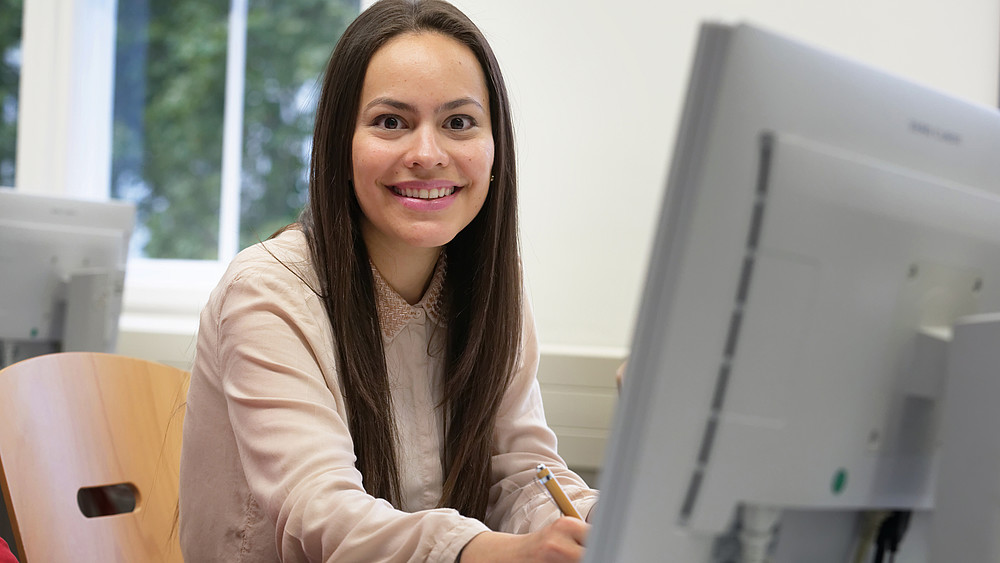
394 312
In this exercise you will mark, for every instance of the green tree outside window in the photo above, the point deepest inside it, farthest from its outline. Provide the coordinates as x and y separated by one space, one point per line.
169 108
10 72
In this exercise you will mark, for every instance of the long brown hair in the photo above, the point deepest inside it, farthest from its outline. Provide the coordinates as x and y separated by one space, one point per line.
482 289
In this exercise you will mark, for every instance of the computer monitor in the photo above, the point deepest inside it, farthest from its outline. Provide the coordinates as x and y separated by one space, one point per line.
824 226
62 269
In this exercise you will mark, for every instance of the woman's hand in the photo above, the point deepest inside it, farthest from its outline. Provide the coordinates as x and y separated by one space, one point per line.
559 542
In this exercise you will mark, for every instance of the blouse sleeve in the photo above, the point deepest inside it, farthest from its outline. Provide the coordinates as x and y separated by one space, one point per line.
518 503
293 439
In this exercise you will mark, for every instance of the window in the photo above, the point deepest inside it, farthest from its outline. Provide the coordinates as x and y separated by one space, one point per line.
10 72
213 113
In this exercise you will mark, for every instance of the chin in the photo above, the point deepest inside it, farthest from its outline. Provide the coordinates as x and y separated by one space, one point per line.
430 236
430 242
416 240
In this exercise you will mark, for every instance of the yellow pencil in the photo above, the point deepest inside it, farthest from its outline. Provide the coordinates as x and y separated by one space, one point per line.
546 478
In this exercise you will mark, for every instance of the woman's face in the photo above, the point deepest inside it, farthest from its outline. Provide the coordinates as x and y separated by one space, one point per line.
423 142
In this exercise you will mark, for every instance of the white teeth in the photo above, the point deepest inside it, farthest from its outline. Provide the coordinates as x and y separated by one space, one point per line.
434 193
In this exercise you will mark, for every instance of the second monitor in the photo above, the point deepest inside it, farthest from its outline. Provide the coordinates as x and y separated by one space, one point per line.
824 226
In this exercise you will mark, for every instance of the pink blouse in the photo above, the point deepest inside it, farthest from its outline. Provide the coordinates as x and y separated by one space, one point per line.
267 465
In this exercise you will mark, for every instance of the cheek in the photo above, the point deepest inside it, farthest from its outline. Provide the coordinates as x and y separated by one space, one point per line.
357 157
480 159
368 161
488 157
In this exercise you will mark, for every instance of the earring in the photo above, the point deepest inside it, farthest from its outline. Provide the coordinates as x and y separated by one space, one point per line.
491 178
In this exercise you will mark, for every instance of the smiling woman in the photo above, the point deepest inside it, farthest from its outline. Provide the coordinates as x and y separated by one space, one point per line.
423 151
365 381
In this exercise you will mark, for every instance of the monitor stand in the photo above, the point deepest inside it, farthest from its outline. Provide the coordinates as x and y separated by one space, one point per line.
965 523
90 324
93 305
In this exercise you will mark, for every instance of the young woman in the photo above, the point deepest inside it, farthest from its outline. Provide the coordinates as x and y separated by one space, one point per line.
364 387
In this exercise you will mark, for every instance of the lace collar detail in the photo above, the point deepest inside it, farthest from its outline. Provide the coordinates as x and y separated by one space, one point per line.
394 312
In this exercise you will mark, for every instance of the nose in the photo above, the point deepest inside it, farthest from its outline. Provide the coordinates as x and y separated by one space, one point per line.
426 149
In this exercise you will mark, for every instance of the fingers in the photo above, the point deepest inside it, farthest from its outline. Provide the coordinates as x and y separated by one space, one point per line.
563 540
574 528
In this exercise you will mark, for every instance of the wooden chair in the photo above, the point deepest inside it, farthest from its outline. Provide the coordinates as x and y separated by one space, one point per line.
73 423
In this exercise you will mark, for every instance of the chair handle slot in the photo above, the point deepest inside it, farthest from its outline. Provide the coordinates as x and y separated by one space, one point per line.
107 500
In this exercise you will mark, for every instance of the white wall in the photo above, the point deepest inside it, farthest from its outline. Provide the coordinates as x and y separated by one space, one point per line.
597 88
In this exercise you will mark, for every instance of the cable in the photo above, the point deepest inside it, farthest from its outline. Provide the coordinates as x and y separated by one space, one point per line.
869 526
890 535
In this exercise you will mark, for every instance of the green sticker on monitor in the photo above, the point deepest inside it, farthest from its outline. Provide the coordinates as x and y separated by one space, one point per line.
839 481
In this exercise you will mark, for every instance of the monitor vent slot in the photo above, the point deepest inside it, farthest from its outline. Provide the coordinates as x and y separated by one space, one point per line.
732 337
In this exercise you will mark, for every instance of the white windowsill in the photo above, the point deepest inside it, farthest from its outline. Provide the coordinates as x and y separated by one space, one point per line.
166 296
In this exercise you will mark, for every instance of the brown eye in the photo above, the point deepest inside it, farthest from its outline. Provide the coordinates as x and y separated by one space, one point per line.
390 122
460 123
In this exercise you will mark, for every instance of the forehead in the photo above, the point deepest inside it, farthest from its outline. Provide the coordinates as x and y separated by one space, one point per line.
424 65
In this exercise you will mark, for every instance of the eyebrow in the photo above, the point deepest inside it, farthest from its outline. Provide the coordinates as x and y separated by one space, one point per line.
403 106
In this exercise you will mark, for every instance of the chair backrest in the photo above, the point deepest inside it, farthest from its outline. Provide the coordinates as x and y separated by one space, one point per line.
75 421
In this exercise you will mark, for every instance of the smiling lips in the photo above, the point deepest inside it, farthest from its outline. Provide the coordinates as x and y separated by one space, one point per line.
432 193
424 190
